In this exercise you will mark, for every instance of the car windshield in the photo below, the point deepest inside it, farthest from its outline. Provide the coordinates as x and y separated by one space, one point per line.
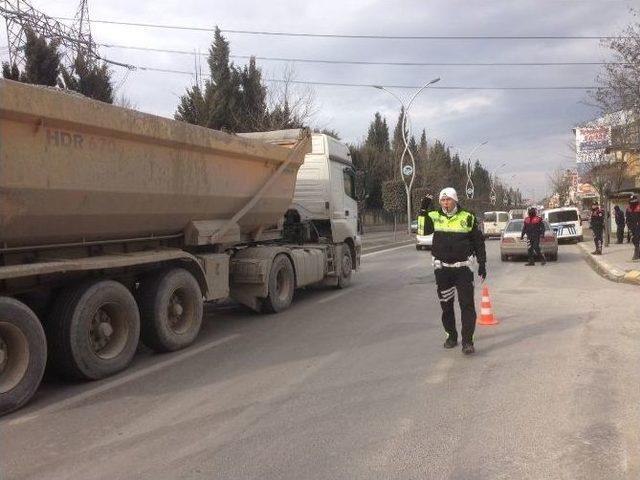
563 216
514 226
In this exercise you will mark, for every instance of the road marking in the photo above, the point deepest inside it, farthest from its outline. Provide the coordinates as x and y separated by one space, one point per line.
440 371
117 382
386 250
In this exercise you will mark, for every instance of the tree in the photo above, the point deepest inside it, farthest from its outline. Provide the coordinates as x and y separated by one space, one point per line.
252 109
237 100
618 92
90 78
378 134
193 107
42 62
560 183
394 198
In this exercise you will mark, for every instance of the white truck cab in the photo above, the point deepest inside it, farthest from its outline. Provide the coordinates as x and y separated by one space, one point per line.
325 190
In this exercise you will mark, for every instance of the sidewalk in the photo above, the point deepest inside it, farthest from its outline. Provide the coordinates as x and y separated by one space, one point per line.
614 263
380 240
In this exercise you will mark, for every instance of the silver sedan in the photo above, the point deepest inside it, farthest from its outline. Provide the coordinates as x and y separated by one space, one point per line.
511 245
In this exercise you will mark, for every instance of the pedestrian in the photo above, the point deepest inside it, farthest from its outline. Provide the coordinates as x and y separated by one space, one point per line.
533 228
627 217
456 240
596 224
634 224
619 214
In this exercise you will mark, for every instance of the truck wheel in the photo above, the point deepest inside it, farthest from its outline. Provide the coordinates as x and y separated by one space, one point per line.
281 285
344 279
170 310
93 330
23 354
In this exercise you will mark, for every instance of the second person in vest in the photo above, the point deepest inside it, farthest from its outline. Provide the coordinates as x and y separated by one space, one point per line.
456 239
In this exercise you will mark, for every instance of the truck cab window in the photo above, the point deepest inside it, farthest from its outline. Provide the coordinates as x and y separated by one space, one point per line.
349 182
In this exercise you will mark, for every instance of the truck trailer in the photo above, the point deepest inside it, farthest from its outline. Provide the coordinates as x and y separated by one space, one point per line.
116 226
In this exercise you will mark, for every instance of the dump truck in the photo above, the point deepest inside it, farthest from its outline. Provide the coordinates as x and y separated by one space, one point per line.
116 226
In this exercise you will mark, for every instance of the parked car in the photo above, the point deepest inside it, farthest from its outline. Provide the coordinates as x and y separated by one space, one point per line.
565 222
512 246
414 226
494 223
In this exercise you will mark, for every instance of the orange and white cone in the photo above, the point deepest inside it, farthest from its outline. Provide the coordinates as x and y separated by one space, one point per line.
486 312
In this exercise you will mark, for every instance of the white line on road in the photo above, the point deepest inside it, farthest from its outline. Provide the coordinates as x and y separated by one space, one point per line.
117 382
387 250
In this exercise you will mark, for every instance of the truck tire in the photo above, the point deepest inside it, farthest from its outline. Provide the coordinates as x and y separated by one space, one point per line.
93 330
281 285
23 354
170 310
346 268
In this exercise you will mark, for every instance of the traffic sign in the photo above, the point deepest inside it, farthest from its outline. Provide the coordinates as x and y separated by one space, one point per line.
407 170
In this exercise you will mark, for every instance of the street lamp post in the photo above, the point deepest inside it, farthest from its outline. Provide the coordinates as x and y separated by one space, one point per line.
469 188
405 171
493 196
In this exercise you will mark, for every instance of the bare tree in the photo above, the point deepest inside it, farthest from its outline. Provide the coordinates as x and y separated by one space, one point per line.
560 183
290 105
618 91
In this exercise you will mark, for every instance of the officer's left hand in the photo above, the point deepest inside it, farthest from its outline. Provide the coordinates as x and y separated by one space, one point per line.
482 271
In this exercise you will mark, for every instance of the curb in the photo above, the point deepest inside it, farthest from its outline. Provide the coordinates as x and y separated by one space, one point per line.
607 271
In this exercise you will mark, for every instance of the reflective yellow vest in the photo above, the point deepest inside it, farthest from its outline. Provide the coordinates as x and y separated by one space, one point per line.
461 222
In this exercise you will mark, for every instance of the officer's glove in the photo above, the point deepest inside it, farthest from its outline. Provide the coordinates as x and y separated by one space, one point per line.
482 271
426 202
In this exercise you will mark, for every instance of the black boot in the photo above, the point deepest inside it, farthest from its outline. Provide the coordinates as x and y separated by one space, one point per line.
450 342
468 348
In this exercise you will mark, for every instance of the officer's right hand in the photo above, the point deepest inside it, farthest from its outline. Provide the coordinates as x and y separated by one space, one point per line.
482 271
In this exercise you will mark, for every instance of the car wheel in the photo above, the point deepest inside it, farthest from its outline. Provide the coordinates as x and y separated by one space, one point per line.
554 257
503 257
418 247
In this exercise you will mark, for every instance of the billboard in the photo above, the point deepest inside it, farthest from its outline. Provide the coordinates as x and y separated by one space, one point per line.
591 143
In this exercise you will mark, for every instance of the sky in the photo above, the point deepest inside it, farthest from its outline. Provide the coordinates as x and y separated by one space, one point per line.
529 132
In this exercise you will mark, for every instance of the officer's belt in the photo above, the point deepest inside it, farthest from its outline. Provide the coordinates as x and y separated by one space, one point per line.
437 264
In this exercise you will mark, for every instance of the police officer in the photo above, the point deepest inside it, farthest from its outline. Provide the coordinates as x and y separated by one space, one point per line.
597 227
533 228
633 220
456 239
619 216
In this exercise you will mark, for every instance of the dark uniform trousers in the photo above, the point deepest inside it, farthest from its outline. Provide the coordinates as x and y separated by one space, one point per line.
534 248
597 237
448 281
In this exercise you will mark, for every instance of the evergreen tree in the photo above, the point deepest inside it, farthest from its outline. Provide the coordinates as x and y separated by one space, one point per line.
378 135
253 104
193 107
42 62
89 78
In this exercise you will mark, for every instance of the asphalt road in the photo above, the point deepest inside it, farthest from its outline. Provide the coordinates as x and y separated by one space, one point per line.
355 384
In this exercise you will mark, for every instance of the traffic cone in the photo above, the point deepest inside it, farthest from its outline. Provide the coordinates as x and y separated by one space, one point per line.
486 312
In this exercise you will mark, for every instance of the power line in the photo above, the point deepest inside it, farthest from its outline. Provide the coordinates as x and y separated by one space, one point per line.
340 84
353 36
365 62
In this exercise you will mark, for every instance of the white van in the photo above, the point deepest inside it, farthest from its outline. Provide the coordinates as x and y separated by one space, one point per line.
494 223
565 222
